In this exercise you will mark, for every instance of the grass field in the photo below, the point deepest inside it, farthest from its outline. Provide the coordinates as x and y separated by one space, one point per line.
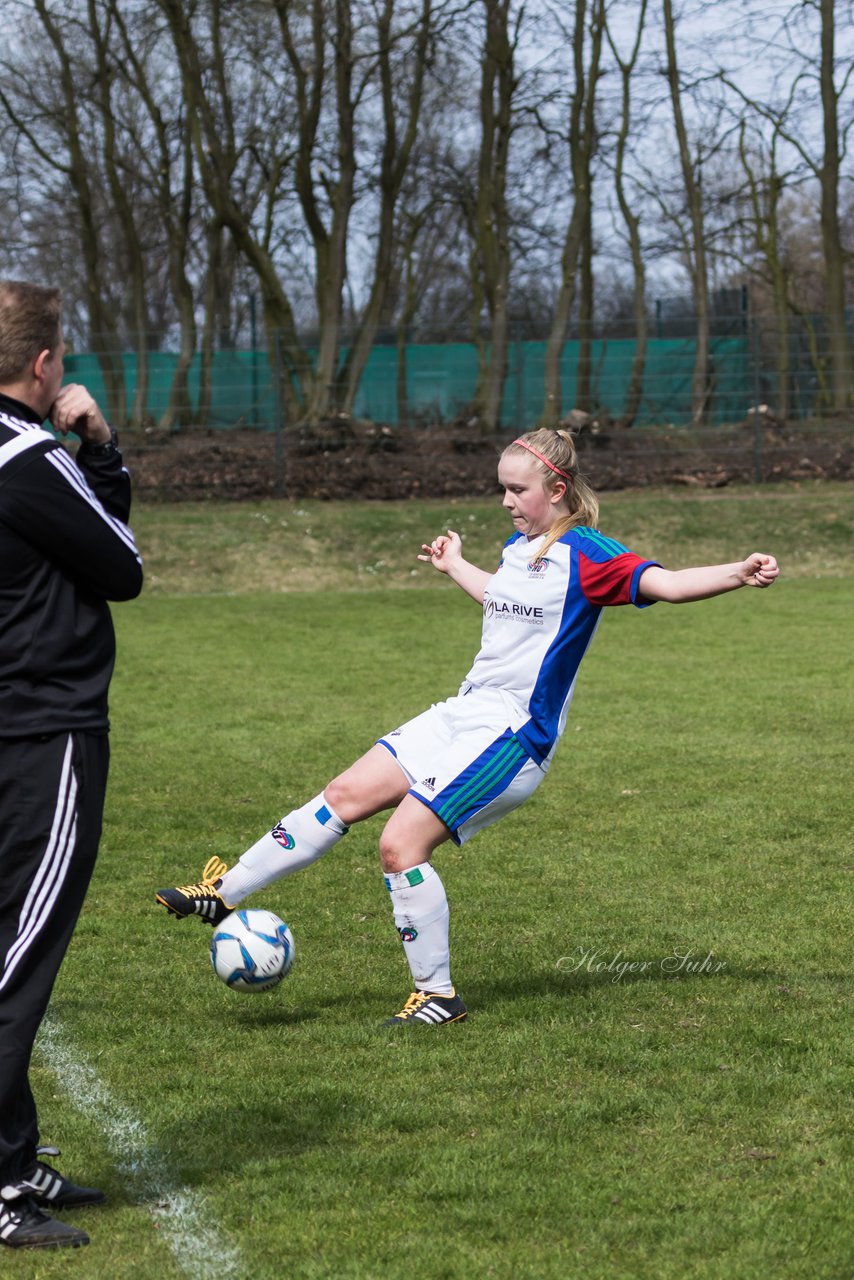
655 1080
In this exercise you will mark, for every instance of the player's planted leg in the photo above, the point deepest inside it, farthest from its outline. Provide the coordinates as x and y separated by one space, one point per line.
423 1007
421 915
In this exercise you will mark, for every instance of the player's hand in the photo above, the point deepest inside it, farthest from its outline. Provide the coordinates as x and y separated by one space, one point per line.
74 409
759 570
442 551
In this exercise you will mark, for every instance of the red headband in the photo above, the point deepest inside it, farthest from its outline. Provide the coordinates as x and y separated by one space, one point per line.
551 466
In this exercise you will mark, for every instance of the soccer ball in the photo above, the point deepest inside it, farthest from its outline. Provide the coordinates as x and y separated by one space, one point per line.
252 950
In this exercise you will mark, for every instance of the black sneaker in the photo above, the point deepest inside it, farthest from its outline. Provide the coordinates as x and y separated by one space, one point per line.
23 1225
51 1191
429 1008
202 899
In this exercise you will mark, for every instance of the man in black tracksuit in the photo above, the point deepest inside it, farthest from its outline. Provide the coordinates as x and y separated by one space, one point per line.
65 550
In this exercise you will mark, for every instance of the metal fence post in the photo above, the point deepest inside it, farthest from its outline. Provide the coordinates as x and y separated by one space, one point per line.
281 409
757 391
253 328
520 424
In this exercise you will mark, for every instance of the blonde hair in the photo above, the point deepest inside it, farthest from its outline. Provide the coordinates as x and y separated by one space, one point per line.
29 324
556 449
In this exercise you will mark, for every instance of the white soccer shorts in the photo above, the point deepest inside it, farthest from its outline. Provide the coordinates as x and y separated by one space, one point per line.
463 760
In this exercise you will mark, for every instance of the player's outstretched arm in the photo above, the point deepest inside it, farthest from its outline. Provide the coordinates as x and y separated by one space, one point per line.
683 585
445 553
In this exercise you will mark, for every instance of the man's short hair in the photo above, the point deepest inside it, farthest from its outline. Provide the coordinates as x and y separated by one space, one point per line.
29 324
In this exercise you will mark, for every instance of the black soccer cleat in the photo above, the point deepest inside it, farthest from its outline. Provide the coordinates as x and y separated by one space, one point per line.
430 1009
23 1224
202 899
51 1190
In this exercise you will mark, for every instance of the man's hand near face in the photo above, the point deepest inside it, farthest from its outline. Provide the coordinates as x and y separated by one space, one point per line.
74 409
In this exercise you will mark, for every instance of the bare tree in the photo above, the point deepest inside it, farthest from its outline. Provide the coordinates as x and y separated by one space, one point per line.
241 159
801 118
581 138
831 239
691 166
398 140
486 211
101 33
167 165
631 219
53 116
820 70
316 184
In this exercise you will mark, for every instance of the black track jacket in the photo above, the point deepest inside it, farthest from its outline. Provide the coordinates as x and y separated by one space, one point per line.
65 550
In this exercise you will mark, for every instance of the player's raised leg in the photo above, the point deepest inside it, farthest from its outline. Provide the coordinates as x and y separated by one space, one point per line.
373 783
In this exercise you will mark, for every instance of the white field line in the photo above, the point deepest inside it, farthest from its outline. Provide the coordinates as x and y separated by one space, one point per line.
179 1211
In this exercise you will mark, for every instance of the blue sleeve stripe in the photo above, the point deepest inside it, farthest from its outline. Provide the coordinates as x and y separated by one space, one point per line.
635 587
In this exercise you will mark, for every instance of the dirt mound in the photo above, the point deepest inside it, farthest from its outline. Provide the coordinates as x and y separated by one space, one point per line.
355 460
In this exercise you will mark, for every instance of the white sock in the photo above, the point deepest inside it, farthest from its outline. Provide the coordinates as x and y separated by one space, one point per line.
298 840
421 915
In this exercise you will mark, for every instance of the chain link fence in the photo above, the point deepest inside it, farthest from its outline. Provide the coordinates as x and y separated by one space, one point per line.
768 408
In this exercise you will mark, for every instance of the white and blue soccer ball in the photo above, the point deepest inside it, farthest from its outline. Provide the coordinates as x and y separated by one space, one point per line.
252 950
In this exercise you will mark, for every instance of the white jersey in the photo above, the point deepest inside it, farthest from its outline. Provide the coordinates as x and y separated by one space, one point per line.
538 620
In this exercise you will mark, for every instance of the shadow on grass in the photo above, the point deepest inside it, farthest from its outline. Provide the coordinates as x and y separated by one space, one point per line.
272 1008
497 989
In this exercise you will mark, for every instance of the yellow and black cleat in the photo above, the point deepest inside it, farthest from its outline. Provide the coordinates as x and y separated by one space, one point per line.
202 899
427 1008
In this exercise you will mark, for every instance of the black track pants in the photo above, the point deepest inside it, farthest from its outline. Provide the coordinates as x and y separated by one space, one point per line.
51 807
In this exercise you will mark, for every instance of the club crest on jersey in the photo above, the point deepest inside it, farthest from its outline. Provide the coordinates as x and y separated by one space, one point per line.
283 837
537 568
408 933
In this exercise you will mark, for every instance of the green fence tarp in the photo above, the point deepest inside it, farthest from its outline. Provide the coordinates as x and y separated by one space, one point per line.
441 378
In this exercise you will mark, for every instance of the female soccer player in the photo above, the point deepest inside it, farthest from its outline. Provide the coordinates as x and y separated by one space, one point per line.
470 760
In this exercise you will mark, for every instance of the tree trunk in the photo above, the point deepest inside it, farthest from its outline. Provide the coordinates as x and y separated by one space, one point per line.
212 322
700 389
839 352
179 410
553 403
634 391
102 326
583 383
489 225
330 244
215 150
176 208
780 294
136 271
395 159
582 143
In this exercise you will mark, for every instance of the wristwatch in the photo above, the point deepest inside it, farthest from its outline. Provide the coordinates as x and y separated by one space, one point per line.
106 449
